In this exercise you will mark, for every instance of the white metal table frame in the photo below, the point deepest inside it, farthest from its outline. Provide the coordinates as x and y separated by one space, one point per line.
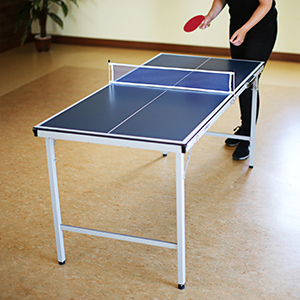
52 136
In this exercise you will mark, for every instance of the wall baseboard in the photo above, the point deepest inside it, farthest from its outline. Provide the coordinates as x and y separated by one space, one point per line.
162 47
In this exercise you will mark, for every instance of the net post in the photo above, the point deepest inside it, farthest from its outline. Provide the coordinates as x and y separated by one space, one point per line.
111 71
233 80
108 70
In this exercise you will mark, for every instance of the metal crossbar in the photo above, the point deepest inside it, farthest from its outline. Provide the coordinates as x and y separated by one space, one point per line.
117 236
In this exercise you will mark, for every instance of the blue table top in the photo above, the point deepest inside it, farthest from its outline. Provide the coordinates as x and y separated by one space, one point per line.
150 113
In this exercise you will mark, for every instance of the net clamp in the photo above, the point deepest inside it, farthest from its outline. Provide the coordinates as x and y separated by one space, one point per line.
252 79
232 101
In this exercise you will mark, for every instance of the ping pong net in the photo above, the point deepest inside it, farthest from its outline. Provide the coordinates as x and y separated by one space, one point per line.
172 78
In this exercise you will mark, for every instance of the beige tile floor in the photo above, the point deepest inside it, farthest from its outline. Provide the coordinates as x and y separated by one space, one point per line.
242 225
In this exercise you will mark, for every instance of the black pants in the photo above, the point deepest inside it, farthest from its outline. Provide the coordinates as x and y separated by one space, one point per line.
258 45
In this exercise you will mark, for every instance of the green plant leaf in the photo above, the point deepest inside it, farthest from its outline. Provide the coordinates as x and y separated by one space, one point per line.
56 19
23 13
75 2
36 4
26 31
64 7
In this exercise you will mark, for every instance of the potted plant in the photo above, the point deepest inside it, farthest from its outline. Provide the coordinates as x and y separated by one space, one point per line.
40 10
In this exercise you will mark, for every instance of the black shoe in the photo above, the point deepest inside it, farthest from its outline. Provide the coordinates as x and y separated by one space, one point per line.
242 151
234 142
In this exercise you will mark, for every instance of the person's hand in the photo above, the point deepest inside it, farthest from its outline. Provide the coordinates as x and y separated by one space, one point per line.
238 37
206 22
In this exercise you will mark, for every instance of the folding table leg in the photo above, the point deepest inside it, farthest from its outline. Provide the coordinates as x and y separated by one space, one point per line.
180 212
55 200
253 121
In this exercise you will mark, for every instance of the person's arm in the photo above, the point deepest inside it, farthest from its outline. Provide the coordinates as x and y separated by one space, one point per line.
263 8
216 8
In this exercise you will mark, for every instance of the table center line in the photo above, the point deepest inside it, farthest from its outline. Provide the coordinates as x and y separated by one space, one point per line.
136 112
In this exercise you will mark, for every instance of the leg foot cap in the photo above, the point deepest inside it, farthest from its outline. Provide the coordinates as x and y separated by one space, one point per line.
62 262
181 286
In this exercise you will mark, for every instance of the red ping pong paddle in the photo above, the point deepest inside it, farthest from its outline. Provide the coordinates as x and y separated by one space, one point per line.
193 23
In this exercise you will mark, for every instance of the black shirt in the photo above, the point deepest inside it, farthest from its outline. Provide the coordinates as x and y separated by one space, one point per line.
242 10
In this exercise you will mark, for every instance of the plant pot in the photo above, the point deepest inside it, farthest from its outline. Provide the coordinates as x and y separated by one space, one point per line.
42 43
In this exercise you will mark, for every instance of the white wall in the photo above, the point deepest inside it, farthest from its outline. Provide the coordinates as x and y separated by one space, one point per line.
161 21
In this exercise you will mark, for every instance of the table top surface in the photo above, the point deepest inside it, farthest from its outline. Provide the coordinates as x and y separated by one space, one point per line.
153 113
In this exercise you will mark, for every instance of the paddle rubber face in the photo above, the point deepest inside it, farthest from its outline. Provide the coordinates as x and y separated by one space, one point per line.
193 23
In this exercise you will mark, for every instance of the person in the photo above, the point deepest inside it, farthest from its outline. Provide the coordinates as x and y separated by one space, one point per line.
253 31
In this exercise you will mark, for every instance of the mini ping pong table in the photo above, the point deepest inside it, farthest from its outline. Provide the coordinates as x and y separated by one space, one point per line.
167 104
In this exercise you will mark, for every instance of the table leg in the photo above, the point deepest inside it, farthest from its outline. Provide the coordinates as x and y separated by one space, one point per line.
55 200
253 121
180 212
